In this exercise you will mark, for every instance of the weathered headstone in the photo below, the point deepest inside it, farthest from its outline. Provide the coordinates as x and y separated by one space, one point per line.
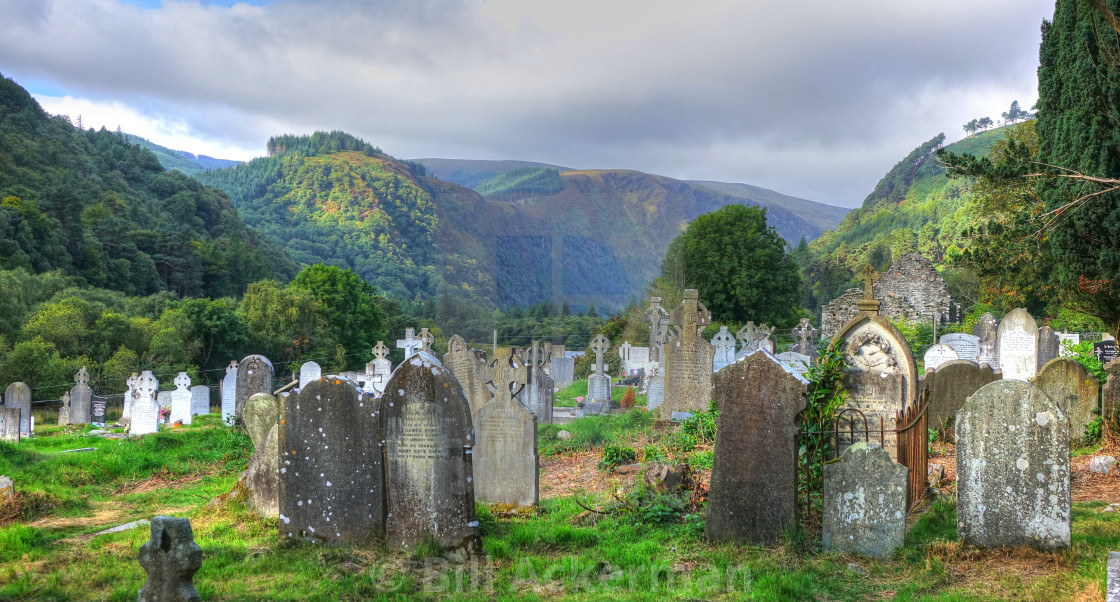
799 362
99 405
9 424
129 396
261 413
1047 346
309 371
181 400
939 354
64 409
805 338
1072 338
18 395
171 558
753 496
864 502
229 395
599 383
951 384
262 476
562 370
1105 351
505 457
687 359
1018 345
200 400
428 447
1074 390
658 320
378 370
754 338
1110 398
1013 479
967 346
254 375
81 399
331 474
655 393
145 408
470 370
541 388
987 341
724 344
1112 594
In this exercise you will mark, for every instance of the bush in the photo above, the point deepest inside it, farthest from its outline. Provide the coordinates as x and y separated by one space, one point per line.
627 399
617 455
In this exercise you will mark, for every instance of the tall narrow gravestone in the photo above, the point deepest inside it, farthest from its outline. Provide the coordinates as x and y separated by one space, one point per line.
331 472
98 407
1110 398
200 400
1018 345
81 399
254 375
309 371
724 344
505 458
18 395
541 386
9 425
864 502
1074 390
1047 346
129 396
470 370
145 408
951 384
428 470
687 359
171 558
967 346
64 409
378 370
599 383
229 395
658 320
181 400
753 496
987 341
1013 480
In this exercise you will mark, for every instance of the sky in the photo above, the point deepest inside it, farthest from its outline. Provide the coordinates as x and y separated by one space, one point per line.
813 99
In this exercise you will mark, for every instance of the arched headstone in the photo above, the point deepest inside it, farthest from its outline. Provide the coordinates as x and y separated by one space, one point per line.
1018 345
254 375
18 395
469 370
1073 389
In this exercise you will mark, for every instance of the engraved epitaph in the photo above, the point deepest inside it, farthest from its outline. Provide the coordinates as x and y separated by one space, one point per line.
505 458
18 395
1018 345
687 360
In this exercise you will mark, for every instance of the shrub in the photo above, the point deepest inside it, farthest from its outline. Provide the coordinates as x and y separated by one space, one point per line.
617 455
628 398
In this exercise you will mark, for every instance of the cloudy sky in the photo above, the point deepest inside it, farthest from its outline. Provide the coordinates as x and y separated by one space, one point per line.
814 99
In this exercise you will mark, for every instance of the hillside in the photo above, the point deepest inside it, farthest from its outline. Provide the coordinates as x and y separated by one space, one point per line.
93 205
819 214
470 173
183 161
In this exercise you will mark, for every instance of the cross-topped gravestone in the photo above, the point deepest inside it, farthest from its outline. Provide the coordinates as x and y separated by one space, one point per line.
229 394
868 276
754 338
687 361
805 338
18 395
409 343
181 400
427 339
145 408
469 370
505 458
378 370
126 414
81 399
724 344
64 409
599 383
539 395
658 320
171 558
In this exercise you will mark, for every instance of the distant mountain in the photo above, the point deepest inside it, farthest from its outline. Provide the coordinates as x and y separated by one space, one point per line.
183 161
821 215
470 172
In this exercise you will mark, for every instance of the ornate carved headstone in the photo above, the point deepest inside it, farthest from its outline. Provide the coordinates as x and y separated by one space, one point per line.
81 399
687 359
309 371
939 354
181 400
951 384
1018 345
967 346
753 496
1013 479
754 338
428 471
539 397
9 425
1047 346
1074 390
331 472
805 338
658 320
987 340
724 345
470 370
171 558
864 502
505 458
18 395
229 395
599 383
145 408
254 375
200 400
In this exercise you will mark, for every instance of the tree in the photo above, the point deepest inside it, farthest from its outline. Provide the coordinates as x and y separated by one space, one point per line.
738 264
349 305
1015 114
971 127
984 123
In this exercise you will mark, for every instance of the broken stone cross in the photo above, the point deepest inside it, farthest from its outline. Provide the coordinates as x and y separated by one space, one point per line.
171 558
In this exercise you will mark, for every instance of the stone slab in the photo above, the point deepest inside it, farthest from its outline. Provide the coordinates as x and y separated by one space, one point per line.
18 395
1074 390
1018 345
864 502
966 345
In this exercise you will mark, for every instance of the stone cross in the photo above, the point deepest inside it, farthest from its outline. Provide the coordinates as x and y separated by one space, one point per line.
182 381
64 410
409 342
426 340
691 316
508 375
147 384
806 336
380 352
868 276
600 345
82 377
658 320
539 357
171 558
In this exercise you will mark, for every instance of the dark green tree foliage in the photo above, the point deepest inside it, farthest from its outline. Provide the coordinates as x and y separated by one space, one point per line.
521 183
349 304
1079 128
738 264
893 187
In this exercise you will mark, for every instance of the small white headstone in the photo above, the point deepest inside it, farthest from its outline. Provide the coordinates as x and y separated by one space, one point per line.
939 354
229 394
181 400
308 372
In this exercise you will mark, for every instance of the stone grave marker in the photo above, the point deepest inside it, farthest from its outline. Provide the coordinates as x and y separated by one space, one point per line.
470 370
753 496
939 354
1013 479
754 338
1018 345
864 502
254 375
1110 396
687 359
145 408
599 383
261 478
967 346
541 387
129 396
18 395
655 393
378 370
987 342
1047 346
428 469
951 384
181 400
409 343
1074 390
505 457
724 345
562 370
229 395
1072 337
9 424
1112 594
331 475
81 399
64 409
658 320
98 406
200 400
1105 351
309 371
798 361
170 558
805 338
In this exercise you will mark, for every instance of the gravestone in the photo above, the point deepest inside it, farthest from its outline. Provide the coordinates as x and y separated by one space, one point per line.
805 339
262 476
798 361
563 370
64 409
1110 397
1112 594
951 384
428 448
378 370
200 400
409 343
331 475
229 395
967 346
754 338
599 383
724 345
145 408
261 413
99 405
9 424
864 502
129 396
1072 338
309 371
687 359
470 370
1018 345
753 495
1013 479
938 354
541 387
655 393
1074 390
987 341
1105 351
181 400
81 399
1047 346
254 375
170 558
658 320
505 457
18 395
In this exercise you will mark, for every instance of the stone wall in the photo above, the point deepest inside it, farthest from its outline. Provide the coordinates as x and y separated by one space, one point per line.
910 290
837 313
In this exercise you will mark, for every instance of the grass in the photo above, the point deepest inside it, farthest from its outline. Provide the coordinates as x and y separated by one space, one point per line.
566 397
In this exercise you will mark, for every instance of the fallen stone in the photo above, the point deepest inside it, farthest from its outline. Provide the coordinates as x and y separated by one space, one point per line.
1110 508
1102 464
564 436
665 477
171 558
125 527
67 451
935 474
680 416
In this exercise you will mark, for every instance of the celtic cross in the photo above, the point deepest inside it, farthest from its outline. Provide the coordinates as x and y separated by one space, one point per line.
508 375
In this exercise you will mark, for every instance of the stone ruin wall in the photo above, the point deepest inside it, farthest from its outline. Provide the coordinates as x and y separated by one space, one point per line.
911 290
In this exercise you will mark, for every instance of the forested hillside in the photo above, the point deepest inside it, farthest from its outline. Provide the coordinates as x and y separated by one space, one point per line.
188 163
